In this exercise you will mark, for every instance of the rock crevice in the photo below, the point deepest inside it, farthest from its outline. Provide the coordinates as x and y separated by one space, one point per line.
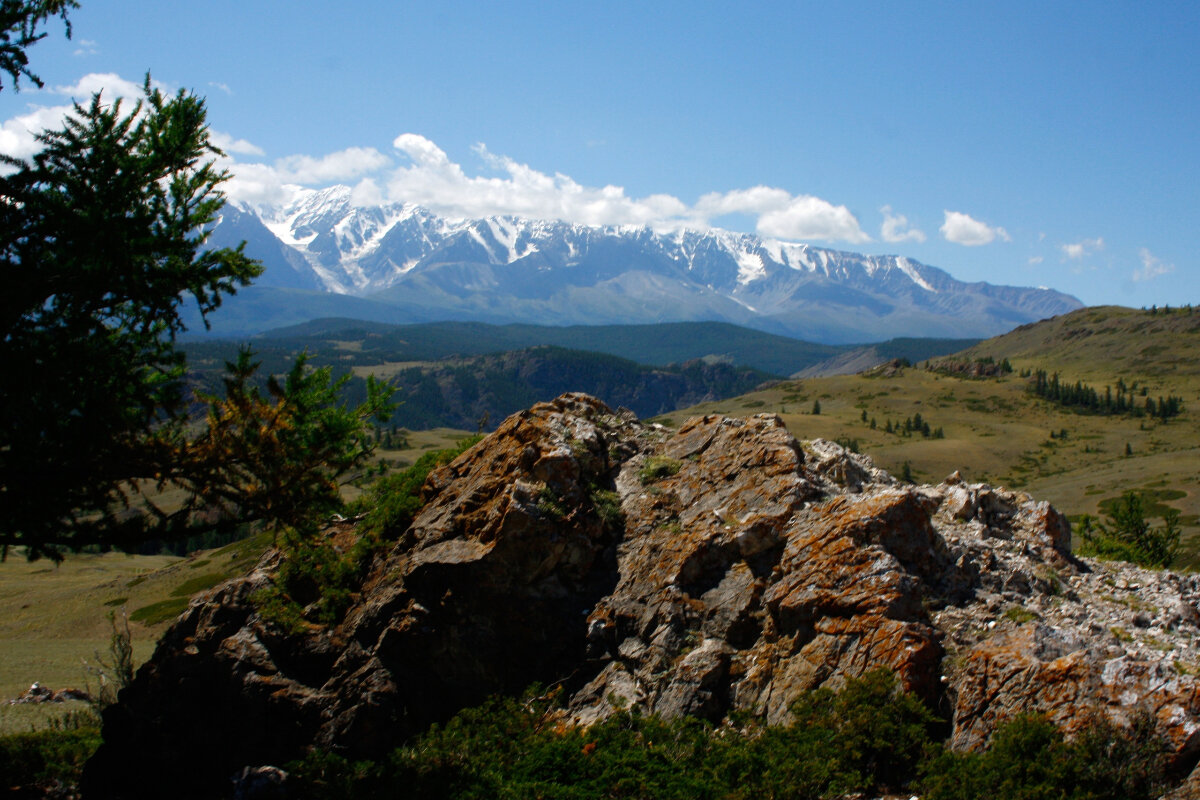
744 568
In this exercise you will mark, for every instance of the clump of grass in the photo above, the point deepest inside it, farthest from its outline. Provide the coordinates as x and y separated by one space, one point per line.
161 611
657 468
1019 614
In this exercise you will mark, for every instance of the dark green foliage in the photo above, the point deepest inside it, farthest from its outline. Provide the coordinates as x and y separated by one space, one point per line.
459 392
1084 399
101 241
869 736
816 407
1127 536
318 578
316 581
1028 759
277 457
19 23
395 499
42 757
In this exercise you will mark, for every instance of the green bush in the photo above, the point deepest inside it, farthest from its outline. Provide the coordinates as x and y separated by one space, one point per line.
316 581
1029 759
1127 536
29 759
395 499
868 736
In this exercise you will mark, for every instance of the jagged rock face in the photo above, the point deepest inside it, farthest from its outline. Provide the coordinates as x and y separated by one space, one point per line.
746 568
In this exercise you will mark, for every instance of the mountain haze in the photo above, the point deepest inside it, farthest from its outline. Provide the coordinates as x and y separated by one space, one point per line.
411 265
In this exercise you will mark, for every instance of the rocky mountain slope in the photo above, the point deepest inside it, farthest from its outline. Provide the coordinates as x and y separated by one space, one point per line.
745 566
507 269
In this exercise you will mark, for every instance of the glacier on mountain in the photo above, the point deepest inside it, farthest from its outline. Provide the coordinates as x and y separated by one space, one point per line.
509 269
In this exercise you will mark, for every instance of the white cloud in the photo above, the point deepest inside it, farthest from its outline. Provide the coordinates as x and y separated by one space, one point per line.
807 217
433 180
223 87
1151 267
18 135
1035 260
87 47
344 165
962 229
273 184
1078 250
230 145
427 176
895 228
109 84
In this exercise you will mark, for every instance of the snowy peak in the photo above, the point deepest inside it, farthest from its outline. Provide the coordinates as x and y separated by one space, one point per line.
508 268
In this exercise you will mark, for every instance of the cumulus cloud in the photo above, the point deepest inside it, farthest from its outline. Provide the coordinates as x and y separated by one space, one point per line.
108 84
87 47
895 228
1077 250
1151 267
277 183
344 165
18 135
963 229
807 217
230 145
426 175
432 179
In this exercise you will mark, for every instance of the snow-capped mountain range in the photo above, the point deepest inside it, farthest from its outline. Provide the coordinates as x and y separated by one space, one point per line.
414 266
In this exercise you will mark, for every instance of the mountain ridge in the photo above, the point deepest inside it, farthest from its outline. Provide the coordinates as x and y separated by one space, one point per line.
509 269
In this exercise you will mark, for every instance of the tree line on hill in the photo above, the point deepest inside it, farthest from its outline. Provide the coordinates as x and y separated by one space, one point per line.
1086 399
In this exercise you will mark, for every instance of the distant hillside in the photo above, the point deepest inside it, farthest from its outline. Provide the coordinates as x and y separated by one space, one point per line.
466 392
365 343
863 358
1104 343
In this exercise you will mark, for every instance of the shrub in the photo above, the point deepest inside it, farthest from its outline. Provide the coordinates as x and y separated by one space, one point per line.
1029 759
867 736
1128 536
41 757
316 580
395 499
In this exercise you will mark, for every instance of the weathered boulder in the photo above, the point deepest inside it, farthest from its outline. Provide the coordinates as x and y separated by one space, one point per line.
745 567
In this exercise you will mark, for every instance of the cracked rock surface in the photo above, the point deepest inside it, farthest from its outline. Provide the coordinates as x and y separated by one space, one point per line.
746 567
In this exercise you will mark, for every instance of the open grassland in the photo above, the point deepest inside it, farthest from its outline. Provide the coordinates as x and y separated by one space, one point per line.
54 617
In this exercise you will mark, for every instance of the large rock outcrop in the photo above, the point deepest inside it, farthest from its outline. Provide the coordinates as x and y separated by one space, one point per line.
744 568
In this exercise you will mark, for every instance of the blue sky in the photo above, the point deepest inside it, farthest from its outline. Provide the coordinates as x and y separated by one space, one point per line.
1053 144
